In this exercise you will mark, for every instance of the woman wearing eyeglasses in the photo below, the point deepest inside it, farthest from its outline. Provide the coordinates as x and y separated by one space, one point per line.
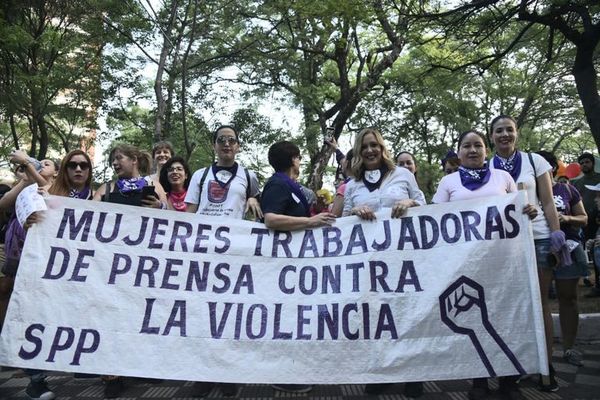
74 177
175 178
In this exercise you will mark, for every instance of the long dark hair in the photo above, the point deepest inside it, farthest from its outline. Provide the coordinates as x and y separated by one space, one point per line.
164 173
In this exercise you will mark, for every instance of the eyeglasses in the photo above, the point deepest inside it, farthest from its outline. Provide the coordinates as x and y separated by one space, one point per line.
176 169
83 165
230 140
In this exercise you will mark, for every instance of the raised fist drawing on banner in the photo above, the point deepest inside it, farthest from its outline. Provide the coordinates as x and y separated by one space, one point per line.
463 310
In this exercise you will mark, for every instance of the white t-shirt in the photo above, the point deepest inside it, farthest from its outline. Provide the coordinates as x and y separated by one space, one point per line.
451 188
400 184
228 201
541 230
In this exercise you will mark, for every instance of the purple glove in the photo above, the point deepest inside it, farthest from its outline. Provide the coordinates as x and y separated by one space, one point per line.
558 246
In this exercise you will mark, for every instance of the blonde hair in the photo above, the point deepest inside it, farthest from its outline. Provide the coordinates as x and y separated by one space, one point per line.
358 168
144 159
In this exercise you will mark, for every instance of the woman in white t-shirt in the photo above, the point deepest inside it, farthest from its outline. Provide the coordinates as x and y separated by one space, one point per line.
534 173
474 179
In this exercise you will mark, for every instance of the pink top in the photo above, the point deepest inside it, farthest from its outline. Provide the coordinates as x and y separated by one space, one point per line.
341 190
451 189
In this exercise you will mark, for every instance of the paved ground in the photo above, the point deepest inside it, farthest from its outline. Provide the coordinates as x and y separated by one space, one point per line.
575 383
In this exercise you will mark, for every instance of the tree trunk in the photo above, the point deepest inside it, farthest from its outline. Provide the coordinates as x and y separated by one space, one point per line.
44 138
13 130
587 86
160 100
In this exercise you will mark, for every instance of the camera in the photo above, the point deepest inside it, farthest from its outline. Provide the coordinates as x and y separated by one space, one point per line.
329 134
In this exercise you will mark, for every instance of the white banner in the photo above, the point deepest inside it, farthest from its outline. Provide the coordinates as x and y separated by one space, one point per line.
450 291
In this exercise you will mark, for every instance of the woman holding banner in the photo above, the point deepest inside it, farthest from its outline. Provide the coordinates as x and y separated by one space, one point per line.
28 171
474 179
130 188
534 173
286 208
74 177
378 183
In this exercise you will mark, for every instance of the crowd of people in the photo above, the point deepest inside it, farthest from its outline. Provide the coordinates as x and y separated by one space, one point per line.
564 216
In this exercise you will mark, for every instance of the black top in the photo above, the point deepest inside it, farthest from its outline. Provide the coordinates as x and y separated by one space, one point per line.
133 198
277 198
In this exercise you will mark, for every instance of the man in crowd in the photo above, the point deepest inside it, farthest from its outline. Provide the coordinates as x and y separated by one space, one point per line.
589 178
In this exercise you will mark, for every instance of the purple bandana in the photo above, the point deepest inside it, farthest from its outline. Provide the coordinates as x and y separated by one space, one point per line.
84 194
131 184
295 188
512 164
474 178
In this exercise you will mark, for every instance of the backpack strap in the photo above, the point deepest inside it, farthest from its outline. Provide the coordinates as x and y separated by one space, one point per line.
204 175
537 193
248 183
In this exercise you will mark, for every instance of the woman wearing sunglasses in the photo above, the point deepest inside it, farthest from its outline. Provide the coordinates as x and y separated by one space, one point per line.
74 177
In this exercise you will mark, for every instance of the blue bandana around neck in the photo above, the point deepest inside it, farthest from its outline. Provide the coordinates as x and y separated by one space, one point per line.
127 185
474 178
295 188
512 164
375 185
83 194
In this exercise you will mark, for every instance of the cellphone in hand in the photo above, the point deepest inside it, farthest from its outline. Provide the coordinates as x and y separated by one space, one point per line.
329 134
149 191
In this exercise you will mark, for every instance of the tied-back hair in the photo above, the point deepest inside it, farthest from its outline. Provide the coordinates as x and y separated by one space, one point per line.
462 136
61 185
164 173
358 168
412 157
144 159
498 118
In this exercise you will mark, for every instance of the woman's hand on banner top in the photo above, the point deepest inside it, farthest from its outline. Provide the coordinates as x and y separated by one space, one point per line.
401 206
322 219
363 212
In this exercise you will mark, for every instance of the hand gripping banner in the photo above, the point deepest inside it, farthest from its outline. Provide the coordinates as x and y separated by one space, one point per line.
449 291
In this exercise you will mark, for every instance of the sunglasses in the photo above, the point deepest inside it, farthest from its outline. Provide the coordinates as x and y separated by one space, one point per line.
227 139
83 165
